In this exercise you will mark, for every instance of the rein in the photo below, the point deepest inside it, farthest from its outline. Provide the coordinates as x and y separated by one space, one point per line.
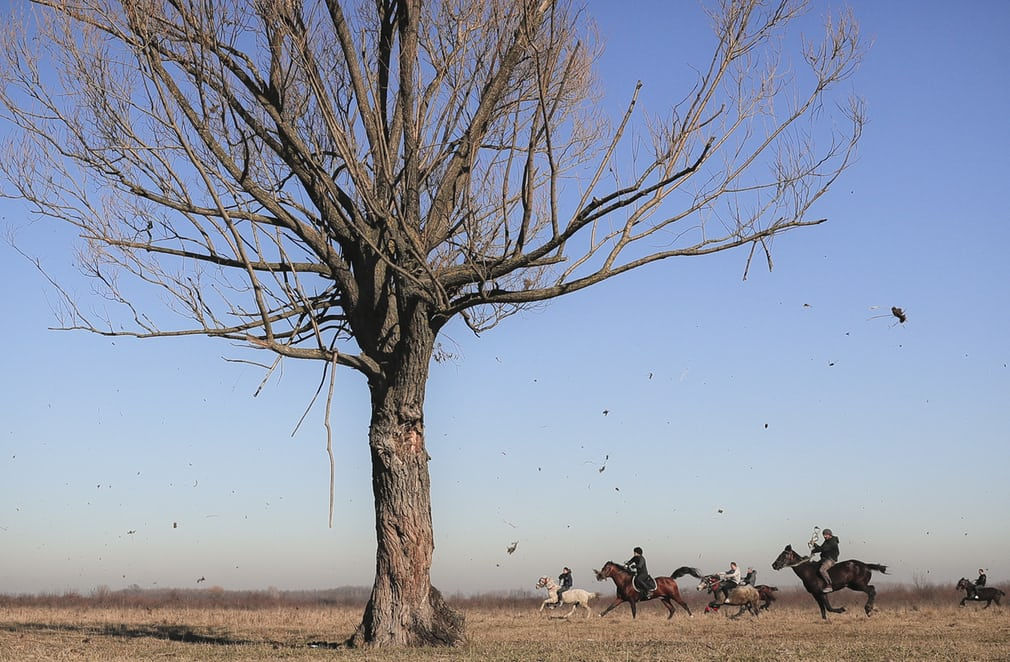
803 559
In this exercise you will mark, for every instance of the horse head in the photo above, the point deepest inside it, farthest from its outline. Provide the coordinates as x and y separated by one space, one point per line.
964 584
542 582
608 570
787 557
707 583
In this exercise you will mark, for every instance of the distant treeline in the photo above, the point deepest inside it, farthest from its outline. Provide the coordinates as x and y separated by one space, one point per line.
791 595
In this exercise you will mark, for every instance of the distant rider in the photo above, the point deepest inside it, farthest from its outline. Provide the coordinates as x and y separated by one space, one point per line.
565 581
829 556
979 583
642 581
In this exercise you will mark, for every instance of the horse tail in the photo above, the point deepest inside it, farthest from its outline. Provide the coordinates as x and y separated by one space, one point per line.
882 569
686 570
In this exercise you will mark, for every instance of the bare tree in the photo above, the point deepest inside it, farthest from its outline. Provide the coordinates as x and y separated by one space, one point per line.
336 181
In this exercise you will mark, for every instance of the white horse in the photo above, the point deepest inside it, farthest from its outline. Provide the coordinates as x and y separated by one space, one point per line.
576 597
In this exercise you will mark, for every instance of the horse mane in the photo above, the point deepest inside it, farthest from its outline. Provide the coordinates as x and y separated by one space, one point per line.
619 566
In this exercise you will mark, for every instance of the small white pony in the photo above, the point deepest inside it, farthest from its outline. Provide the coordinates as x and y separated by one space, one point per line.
576 597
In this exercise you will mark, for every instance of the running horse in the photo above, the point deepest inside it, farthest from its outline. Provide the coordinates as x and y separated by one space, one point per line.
715 586
666 588
849 574
987 593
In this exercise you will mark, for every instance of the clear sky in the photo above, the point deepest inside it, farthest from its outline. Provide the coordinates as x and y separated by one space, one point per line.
731 417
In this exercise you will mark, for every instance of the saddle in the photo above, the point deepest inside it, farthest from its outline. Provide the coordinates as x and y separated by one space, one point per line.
645 583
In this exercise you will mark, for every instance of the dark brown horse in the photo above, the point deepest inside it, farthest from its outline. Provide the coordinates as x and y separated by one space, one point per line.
978 593
845 574
666 588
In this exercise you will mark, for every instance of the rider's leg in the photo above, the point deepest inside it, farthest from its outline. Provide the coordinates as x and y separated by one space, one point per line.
825 566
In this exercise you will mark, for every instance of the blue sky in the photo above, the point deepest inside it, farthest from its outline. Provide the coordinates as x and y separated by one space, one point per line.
779 401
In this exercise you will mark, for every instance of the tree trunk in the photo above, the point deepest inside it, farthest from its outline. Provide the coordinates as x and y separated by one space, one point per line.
404 608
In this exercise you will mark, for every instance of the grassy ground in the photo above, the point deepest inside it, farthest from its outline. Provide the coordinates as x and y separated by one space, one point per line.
786 633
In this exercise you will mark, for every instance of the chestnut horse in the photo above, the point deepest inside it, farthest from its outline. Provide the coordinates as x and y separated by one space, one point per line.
850 574
666 588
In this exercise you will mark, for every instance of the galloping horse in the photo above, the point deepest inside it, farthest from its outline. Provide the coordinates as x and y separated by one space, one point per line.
666 587
987 593
576 597
715 586
850 574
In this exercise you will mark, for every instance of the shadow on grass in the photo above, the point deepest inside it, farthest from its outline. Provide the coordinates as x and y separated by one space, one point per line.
183 633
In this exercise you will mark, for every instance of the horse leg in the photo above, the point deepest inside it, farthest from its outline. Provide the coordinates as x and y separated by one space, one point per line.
822 603
618 600
589 612
680 601
872 592
963 599
634 608
574 607
544 603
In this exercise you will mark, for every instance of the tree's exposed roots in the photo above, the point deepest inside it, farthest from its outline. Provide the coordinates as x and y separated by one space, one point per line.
434 624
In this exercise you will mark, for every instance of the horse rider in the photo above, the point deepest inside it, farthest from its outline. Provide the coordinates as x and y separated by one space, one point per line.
829 556
565 582
636 565
731 578
751 577
979 583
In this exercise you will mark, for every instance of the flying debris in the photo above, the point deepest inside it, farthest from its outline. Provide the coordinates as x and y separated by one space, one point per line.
606 411
895 312
130 533
605 458
512 546
720 510
202 579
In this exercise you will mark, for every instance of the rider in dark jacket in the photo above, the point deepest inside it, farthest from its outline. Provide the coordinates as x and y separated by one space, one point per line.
829 556
565 581
642 582
979 583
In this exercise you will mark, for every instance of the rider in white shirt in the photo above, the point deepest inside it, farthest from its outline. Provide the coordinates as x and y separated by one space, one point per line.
730 578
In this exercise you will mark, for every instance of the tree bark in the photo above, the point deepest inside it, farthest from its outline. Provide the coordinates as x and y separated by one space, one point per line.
404 608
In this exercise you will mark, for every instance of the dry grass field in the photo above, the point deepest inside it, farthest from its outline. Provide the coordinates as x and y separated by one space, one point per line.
790 631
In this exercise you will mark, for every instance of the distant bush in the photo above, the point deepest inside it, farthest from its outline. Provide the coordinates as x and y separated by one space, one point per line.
213 596
916 595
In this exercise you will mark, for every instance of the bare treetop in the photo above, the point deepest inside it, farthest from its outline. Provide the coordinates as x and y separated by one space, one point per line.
273 167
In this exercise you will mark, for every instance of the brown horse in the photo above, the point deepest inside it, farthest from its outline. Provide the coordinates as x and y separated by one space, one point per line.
666 588
850 574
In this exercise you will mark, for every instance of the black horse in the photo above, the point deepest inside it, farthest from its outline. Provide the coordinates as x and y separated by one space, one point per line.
846 574
987 593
